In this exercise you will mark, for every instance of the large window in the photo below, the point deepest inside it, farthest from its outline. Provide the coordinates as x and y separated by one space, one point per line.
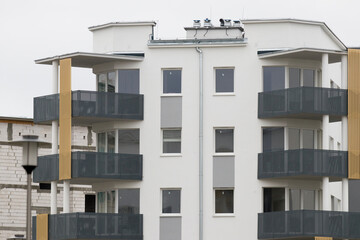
273 139
274 78
274 199
224 140
301 199
129 141
172 81
106 82
129 81
224 201
301 138
224 80
129 201
106 142
171 141
171 201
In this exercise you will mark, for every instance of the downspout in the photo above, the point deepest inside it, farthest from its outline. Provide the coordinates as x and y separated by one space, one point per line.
201 125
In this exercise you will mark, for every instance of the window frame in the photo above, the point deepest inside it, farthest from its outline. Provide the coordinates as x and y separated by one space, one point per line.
162 81
105 200
162 143
118 135
161 202
234 87
107 77
214 203
214 139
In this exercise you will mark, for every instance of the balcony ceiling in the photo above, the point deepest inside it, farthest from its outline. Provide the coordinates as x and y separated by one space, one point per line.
88 60
302 53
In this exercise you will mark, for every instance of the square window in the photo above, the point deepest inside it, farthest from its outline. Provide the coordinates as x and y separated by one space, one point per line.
224 140
129 141
171 141
170 201
224 201
171 81
224 80
274 78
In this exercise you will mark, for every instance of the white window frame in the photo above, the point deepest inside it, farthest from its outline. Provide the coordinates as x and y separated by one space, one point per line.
214 142
214 203
162 143
162 82
214 82
161 203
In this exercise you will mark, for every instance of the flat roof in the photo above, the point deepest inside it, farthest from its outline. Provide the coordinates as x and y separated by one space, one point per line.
198 42
122 24
302 53
88 59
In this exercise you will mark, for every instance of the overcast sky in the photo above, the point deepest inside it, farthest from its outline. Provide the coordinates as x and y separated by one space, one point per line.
33 29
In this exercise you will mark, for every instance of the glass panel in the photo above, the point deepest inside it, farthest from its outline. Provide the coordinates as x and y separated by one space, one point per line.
129 201
294 138
171 201
294 77
224 201
308 139
171 141
101 202
308 78
111 142
102 82
101 142
295 199
274 199
273 139
129 141
274 78
224 140
111 82
129 81
172 81
224 80
110 202
309 199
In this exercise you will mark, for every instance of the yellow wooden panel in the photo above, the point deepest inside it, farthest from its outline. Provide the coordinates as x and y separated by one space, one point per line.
42 227
65 120
323 238
354 113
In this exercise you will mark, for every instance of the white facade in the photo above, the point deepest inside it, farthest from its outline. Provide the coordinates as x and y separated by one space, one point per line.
299 44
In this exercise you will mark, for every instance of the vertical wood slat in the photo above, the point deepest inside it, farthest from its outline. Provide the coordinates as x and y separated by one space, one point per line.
65 120
42 227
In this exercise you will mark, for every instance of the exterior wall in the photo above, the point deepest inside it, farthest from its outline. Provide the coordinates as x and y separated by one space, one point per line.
13 178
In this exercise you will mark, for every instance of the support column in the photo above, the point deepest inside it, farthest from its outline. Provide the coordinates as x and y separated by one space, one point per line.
344 134
66 197
55 137
325 131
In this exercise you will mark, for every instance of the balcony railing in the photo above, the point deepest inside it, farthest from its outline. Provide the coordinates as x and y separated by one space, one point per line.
303 102
90 107
303 162
309 223
91 165
93 226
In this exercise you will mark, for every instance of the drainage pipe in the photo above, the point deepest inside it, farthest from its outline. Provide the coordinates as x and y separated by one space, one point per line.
201 126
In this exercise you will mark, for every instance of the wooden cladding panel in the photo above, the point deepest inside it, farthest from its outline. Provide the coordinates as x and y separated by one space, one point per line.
42 228
65 120
323 238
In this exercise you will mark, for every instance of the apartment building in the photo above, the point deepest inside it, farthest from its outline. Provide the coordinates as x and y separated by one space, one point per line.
238 131
13 179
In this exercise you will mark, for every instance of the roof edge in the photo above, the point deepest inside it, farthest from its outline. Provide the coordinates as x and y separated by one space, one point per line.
121 24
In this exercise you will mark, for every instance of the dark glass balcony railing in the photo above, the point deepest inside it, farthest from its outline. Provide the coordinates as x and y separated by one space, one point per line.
89 166
90 107
303 102
304 163
93 226
309 223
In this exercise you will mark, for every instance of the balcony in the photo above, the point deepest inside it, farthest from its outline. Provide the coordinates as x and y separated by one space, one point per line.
303 103
90 167
303 163
90 107
93 226
308 223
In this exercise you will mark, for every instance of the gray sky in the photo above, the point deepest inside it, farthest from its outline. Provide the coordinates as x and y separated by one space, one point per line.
33 29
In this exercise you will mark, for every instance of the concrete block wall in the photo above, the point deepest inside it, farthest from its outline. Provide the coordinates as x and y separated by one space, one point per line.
13 178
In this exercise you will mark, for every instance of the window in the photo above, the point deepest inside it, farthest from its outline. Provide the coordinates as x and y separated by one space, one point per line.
224 140
224 201
172 81
129 81
301 199
172 141
106 202
101 202
273 139
129 141
224 80
106 82
274 199
90 203
274 78
129 201
171 201
301 138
